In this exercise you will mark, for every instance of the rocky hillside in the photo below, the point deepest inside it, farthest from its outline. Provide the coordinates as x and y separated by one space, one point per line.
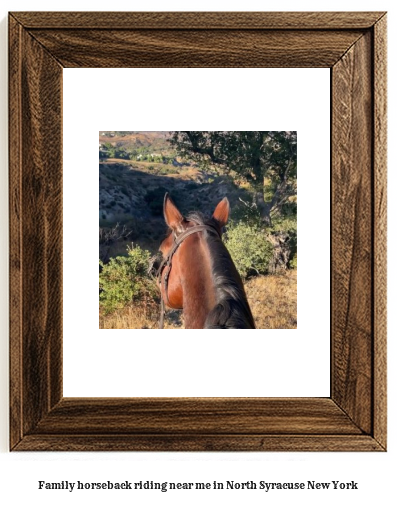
131 194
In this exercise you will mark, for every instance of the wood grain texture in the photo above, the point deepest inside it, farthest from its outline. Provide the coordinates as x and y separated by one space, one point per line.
173 416
352 233
41 82
199 443
380 229
15 176
201 20
36 187
196 48
354 45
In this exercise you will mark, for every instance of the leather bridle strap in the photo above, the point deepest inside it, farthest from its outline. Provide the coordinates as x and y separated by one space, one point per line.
167 263
162 313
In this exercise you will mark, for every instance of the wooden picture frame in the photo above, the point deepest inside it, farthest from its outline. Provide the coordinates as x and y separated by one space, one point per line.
353 46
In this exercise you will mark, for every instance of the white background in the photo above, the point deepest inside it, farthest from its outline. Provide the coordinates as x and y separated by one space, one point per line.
374 472
194 363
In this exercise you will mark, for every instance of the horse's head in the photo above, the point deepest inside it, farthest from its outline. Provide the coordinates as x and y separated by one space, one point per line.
180 247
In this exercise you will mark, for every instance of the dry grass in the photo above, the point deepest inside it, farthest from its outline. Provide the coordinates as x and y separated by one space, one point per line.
273 301
140 317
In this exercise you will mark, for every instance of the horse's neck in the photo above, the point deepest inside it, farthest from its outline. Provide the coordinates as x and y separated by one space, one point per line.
195 313
198 287
213 293
231 310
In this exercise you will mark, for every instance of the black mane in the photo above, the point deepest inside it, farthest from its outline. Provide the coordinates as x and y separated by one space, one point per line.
231 310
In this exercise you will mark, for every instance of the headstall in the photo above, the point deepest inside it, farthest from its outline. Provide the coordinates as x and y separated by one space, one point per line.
167 264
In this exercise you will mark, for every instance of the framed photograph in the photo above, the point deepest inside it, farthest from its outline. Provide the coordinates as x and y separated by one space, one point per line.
190 205
353 47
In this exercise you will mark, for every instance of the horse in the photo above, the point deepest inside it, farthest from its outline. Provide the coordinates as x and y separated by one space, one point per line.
197 273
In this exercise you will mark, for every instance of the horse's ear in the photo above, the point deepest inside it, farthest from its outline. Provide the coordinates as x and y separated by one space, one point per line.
172 215
221 213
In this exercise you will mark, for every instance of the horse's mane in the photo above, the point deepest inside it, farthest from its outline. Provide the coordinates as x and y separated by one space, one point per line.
231 310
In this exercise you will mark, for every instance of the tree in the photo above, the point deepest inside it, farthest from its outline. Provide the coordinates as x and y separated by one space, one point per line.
265 159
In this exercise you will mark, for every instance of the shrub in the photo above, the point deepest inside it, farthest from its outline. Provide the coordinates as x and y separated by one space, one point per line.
289 226
250 250
286 223
248 213
125 279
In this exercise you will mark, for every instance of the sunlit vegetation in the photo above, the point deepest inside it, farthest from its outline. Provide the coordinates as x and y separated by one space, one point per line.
257 171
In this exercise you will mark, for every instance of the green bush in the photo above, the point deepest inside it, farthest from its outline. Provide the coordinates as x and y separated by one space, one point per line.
250 250
286 223
289 226
249 214
125 279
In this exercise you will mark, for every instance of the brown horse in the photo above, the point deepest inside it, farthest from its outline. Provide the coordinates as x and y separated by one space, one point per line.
198 274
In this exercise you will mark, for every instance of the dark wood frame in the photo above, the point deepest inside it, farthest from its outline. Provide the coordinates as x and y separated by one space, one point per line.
353 46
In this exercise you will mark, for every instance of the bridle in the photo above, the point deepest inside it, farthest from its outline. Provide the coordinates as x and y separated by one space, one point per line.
167 264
